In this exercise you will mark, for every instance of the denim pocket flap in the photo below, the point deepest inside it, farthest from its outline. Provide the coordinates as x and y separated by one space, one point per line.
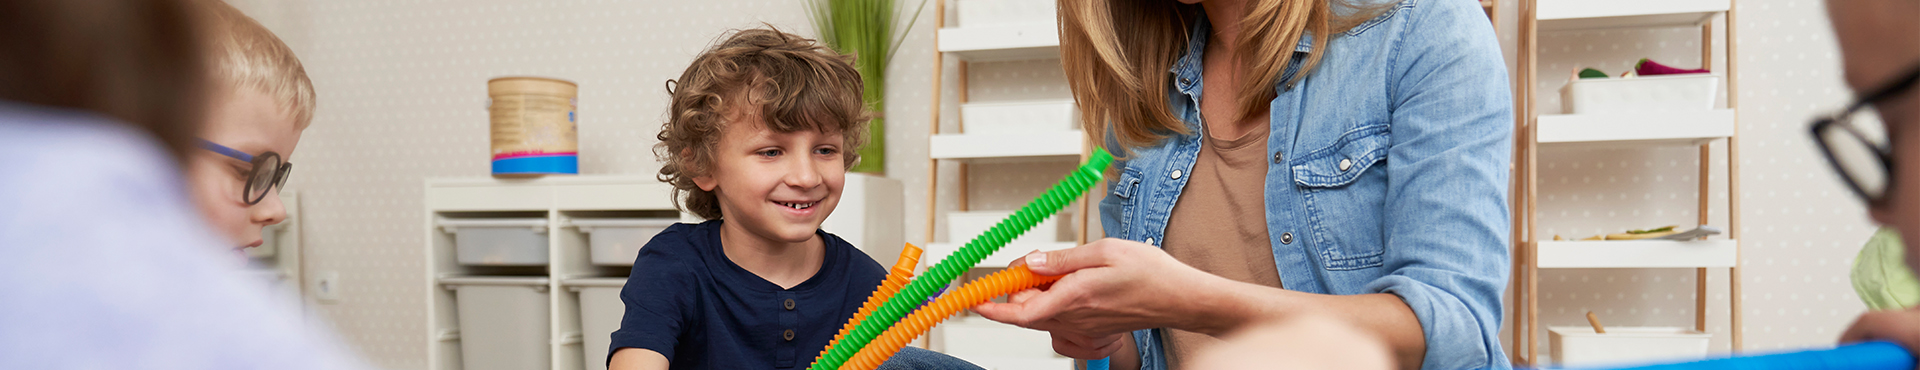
1124 187
1339 164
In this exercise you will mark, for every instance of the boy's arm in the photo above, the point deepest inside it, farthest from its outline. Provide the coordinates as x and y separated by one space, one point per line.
637 359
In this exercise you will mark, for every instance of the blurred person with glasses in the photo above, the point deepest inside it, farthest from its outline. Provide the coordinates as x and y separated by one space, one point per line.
260 102
104 261
1873 143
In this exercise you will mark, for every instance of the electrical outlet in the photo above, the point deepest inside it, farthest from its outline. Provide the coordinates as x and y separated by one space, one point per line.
326 287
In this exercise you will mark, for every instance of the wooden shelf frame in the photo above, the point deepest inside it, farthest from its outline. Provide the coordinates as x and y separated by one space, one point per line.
1531 133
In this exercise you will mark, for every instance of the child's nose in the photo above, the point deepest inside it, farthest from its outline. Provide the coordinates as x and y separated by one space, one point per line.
269 211
803 175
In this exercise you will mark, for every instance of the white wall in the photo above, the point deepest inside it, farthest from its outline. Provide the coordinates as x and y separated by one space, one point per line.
401 84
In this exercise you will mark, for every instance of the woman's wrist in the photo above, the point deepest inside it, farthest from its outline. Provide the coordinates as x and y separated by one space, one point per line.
1219 306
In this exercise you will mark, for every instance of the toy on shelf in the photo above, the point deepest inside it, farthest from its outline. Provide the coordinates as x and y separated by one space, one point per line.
1859 356
942 273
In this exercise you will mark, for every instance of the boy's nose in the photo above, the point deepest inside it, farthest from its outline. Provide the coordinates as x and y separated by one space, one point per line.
803 175
269 211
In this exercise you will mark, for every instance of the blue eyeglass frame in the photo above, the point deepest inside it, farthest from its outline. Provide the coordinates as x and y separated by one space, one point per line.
257 162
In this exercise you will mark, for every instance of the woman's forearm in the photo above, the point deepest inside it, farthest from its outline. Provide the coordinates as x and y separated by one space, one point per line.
1231 305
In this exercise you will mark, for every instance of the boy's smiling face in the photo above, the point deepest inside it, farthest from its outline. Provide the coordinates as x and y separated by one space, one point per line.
777 187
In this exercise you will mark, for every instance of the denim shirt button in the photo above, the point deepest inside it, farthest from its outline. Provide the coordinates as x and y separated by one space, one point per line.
1176 174
1286 238
1344 165
1150 242
1277 157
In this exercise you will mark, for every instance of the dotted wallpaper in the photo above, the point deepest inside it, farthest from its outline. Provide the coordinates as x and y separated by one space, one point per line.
402 88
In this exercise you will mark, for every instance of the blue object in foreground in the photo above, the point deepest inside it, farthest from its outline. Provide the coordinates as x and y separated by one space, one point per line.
1100 364
1859 356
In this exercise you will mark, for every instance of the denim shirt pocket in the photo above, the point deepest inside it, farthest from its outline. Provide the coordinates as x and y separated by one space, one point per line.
1121 200
1344 187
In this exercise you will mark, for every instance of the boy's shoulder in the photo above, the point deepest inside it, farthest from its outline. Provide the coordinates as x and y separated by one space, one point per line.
680 246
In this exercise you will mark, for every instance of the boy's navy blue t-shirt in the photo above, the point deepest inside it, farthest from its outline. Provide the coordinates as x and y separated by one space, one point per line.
687 301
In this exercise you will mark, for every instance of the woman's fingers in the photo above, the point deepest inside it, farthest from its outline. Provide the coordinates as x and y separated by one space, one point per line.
1064 261
1028 310
1085 348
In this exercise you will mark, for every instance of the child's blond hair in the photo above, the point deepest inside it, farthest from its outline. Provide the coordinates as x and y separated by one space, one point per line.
244 54
791 82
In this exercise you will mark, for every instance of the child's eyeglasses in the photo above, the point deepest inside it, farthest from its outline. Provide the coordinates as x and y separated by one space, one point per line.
267 172
1857 145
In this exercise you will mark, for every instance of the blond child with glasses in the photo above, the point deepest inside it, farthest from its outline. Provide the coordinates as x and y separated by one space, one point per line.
260 102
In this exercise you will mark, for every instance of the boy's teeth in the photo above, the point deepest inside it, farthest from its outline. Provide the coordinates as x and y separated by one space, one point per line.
798 205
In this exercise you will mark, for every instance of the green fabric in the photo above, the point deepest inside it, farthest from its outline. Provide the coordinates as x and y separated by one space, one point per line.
1881 275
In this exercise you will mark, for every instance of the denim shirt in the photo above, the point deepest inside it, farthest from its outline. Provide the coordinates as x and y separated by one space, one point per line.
1388 174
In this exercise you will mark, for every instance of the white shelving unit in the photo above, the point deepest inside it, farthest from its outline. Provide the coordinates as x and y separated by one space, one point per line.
998 132
1536 132
558 199
869 216
1627 129
1001 42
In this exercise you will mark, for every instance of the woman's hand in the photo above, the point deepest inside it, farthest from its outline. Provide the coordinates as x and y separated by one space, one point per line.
1111 288
1899 326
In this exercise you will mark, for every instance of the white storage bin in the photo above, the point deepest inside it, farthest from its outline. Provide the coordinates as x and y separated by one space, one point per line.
1665 93
1019 117
974 13
1579 346
503 322
600 313
498 241
617 241
963 226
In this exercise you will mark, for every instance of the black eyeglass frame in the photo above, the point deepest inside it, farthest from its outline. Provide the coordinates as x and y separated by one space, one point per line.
255 162
1881 151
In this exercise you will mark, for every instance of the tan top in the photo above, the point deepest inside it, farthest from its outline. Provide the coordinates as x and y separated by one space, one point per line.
1219 224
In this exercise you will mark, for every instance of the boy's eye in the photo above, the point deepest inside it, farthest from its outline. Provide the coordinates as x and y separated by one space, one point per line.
826 151
768 153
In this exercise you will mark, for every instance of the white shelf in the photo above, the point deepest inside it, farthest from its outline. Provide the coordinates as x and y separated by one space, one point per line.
1638 253
1567 15
1056 145
939 251
1622 129
1019 116
563 192
1002 42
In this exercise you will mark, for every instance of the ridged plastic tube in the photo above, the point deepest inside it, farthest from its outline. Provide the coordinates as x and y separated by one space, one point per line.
974 293
965 258
897 277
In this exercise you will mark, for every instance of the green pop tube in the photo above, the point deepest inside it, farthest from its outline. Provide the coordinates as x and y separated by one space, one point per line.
976 250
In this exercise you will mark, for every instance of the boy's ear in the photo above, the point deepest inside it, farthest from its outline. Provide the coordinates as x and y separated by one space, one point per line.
705 182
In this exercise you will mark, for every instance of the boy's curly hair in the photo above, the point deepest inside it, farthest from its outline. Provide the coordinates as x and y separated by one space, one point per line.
794 82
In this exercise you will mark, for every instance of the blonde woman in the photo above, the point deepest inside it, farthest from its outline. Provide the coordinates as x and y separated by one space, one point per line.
1285 158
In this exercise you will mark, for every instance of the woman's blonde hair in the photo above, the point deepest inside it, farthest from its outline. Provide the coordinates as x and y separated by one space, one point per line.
1119 75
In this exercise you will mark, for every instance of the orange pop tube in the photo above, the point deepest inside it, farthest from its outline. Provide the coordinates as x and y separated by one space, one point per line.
896 278
972 294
